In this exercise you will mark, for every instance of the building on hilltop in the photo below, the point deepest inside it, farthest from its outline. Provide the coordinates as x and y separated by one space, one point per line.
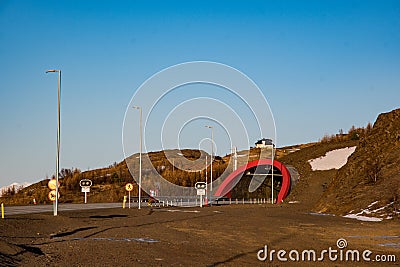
264 143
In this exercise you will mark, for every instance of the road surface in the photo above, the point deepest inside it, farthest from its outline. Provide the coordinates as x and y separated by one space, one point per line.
13 210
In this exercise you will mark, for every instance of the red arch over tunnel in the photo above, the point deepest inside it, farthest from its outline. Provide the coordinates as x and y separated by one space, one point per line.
226 185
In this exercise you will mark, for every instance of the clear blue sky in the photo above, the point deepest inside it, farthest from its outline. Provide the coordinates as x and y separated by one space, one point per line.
322 65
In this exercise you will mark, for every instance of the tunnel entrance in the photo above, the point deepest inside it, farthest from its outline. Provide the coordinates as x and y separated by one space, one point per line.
263 176
253 180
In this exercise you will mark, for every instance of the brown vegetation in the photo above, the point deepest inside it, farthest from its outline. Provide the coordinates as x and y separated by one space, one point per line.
371 174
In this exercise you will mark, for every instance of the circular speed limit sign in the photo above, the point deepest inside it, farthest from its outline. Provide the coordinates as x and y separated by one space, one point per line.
129 187
52 195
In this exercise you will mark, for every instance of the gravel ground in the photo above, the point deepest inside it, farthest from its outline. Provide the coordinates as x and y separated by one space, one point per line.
210 236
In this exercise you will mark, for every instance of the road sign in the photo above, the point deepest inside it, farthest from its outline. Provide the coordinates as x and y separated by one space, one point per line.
200 185
201 192
85 182
52 195
129 187
52 184
85 189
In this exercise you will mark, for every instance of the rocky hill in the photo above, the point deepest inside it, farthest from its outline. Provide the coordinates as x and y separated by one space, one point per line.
369 184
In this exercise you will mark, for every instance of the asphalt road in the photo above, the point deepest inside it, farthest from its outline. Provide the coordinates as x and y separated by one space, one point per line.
221 235
13 210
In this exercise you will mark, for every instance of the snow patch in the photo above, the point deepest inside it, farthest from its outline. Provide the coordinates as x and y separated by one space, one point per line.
334 159
373 203
363 218
17 187
194 211
377 212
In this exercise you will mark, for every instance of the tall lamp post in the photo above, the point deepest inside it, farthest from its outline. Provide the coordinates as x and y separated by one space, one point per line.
272 175
55 208
206 200
211 161
140 155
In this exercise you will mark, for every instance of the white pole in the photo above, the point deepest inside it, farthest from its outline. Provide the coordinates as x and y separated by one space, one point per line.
129 199
140 154
235 159
206 179
212 155
272 172
85 197
58 139
211 161
140 158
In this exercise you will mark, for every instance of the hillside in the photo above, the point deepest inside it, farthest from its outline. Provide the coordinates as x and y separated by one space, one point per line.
370 179
312 184
369 184
109 183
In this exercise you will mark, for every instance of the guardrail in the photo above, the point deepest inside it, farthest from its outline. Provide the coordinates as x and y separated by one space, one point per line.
185 201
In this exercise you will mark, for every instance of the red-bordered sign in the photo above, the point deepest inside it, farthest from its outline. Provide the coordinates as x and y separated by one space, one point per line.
129 187
52 195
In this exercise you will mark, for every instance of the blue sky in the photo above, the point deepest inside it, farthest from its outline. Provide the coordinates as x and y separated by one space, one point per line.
322 66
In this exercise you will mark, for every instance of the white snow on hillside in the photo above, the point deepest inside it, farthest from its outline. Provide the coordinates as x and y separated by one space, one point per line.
334 159
375 212
17 187
363 218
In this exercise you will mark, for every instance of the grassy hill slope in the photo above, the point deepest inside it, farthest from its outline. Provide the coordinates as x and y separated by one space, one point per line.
371 175
312 184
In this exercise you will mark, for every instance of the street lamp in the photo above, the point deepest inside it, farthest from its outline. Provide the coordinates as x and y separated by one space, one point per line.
272 175
206 182
211 169
58 140
140 154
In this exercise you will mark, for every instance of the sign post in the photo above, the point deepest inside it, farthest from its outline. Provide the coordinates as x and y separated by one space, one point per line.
85 185
129 188
123 202
201 191
53 185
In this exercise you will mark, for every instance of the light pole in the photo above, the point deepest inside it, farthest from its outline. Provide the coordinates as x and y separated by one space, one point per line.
211 161
206 200
272 175
58 139
234 156
140 154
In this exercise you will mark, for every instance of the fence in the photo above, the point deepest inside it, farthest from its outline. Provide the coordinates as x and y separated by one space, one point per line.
164 201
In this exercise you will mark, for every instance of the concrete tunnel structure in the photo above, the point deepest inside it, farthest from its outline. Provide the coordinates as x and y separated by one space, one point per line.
286 182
